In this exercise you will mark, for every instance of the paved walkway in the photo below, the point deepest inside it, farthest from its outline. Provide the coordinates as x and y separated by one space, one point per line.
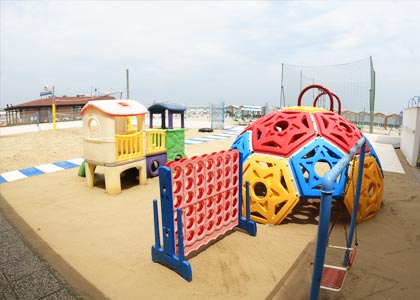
24 275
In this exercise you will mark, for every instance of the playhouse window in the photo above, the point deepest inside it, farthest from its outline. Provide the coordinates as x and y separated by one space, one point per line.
93 128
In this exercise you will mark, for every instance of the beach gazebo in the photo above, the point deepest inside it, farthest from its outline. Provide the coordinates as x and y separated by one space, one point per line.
110 141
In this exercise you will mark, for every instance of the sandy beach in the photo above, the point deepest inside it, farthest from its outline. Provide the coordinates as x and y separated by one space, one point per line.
101 243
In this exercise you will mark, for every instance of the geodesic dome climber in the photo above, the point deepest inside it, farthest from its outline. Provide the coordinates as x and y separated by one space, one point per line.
286 153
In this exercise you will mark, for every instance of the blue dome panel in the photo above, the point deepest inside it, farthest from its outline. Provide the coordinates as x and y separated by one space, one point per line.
311 163
243 145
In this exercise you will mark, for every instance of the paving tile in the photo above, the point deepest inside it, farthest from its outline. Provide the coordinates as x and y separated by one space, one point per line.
17 261
3 280
35 286
23 275
49 168
65 164
12 176
388 158
76 161
6 293
4 224
60 295
8 237
29 172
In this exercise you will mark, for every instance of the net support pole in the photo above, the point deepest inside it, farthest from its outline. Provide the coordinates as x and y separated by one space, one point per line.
372 95
282 98
324 217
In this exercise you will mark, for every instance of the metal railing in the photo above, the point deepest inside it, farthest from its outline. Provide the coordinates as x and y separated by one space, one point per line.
325 213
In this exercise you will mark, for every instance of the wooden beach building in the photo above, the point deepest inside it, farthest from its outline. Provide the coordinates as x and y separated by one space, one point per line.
40 110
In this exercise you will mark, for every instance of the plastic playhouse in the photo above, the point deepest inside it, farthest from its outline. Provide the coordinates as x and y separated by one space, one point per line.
110 141
174 137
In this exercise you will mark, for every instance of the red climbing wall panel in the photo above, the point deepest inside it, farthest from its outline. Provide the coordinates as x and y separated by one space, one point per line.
207 190
282 132
338 130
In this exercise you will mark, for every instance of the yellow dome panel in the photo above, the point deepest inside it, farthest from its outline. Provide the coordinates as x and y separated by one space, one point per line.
272 190
371 192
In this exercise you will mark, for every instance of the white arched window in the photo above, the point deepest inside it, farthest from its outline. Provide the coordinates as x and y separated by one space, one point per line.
93 128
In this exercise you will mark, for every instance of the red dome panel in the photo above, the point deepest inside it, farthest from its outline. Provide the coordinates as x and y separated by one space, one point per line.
338 130
282 132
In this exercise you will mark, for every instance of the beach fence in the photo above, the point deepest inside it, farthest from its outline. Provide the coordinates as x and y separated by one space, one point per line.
217 115
200 200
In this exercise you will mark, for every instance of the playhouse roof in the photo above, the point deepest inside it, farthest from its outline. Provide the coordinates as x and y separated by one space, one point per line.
161 107
116 107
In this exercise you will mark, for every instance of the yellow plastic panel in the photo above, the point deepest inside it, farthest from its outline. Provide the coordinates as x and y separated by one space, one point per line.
155 141
272 191
309 109
129 146
371 192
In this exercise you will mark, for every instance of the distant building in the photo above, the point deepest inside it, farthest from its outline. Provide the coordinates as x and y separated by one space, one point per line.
232 110
40 110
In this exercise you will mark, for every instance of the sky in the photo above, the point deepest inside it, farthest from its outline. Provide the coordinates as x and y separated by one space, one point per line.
201 52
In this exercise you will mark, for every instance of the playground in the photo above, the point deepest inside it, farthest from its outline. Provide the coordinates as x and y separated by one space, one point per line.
101 243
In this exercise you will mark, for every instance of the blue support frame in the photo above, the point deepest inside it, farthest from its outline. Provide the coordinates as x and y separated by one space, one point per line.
325 214
167 255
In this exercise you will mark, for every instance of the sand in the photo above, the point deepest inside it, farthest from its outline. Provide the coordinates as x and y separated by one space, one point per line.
101 243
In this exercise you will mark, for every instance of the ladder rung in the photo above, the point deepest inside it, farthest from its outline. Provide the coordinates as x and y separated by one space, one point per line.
341 247
335 267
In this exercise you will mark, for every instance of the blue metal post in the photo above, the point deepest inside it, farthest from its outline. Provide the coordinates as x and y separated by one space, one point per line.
321 243
248 201
324 217
356 202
